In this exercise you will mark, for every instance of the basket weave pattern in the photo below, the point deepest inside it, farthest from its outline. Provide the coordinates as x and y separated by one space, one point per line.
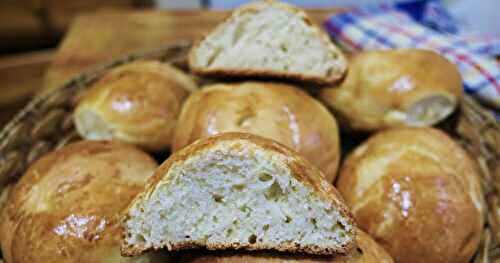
46 124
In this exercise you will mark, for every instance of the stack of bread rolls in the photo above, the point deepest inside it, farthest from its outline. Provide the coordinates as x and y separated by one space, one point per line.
413 193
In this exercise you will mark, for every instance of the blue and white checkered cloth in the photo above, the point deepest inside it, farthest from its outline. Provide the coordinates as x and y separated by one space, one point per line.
390 26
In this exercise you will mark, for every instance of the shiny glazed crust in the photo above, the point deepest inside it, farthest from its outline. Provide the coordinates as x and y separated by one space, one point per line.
368 252
68 204
259 73
147 92
301 169
384 84
276 111
417 193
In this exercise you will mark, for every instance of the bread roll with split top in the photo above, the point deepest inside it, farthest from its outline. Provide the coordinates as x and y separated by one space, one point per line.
277 111
67 206
417 193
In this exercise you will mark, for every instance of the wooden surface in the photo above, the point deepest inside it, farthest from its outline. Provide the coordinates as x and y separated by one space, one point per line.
99 37
29 24
20 77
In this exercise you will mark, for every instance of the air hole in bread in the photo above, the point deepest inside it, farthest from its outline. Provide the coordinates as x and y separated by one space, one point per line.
336 226
283 47
252 239
313 221
264 177
238 187
238 31
217 198
274 192
214 55
140 238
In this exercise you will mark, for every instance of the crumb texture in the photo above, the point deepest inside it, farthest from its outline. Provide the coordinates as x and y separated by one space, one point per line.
234 196
270 38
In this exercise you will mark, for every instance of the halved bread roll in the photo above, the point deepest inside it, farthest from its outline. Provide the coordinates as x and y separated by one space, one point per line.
238 191
269 39
396 88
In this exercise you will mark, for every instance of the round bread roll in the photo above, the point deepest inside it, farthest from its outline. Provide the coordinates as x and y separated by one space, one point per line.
396 88
277 111
368 251
68 205
417 193
136 103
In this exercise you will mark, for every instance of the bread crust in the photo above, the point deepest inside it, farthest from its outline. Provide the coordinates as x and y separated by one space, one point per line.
276 111
147 92
67 206
255 72
384 85
301 169
417 193
368 251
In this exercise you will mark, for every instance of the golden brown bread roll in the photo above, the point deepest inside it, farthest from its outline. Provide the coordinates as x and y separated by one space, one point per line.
394 88
3 197
67 206
368 252
417 193
136 103
276 111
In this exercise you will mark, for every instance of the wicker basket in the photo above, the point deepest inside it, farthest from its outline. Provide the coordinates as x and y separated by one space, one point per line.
46 124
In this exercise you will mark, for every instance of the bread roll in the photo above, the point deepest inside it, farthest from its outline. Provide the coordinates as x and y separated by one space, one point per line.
136 103
395 88
269 39
368 251
67 206
277 111
238 191
416 192
3 197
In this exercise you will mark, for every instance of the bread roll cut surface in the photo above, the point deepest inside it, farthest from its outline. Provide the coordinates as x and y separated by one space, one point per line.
269 39
238 191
